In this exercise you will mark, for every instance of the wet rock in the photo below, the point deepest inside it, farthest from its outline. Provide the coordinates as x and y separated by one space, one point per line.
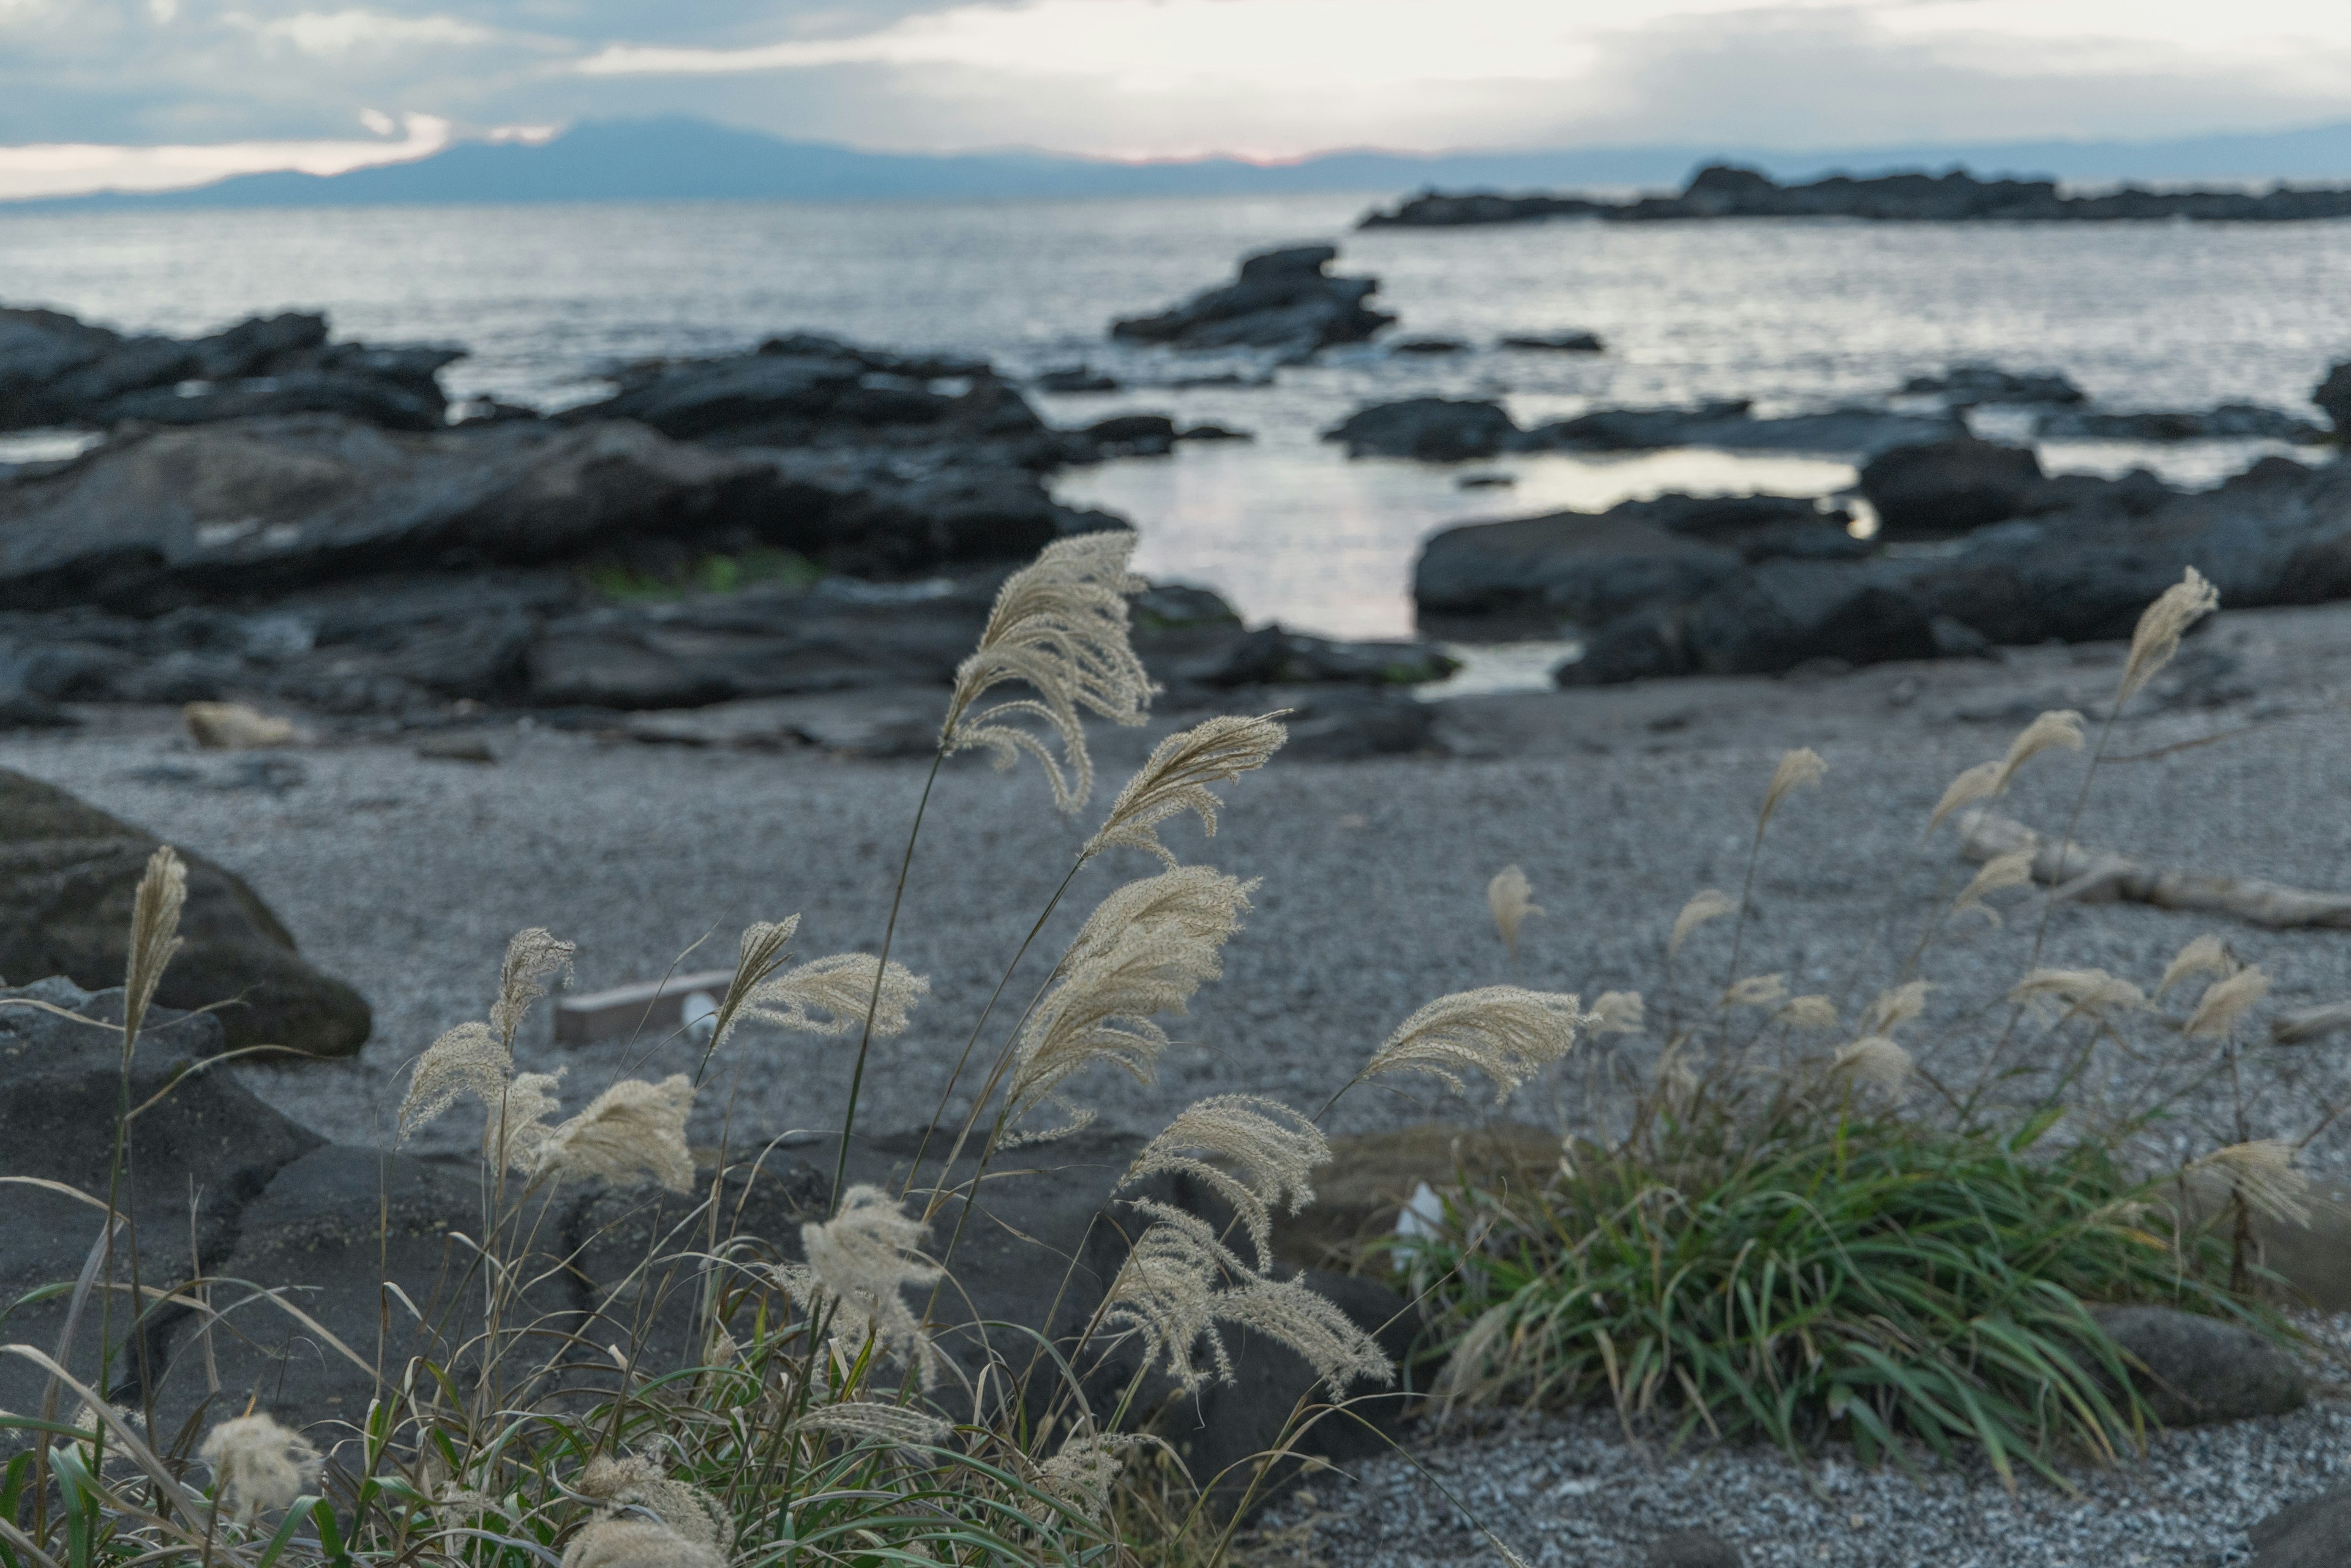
1438 209
1283 300
1643 645
1428 345
1948 487
1075 378
2201 1369
1433 429
1532 574
29 710
2312 1533
1967 385
1134 435
1733 426
67 874
1212 433
1270 656
2333 396
2228 422
1562 342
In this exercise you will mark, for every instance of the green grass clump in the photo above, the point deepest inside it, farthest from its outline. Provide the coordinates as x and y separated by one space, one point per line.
1845 1275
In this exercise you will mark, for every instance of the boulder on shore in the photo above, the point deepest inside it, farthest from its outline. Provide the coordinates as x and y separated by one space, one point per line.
1433 429
68 876
1969 384
2333 396
1284 300
1944 488
2227 421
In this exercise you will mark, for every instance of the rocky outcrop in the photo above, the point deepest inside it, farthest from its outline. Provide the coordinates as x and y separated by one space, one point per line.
1969 385
1284 301
1568 342
1724 191
56 369
2332 395
68 876
1946 487
2228 422
1446 430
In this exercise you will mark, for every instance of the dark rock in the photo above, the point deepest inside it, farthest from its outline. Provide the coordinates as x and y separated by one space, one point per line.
2312 1533
391 405
1074 378
480 410
1435 209
1138 434
1641 646
1212 433
1433 429
206 1141
1271 657
1562 342
1781 615
1967 385
2230 421
1428 345
2199 1369
1283 300
1165 605
1692 1548
67 874
1955 639
1733 426
2333 396
1534 573
1948 487
1351 723
68 671
28 710
1485 481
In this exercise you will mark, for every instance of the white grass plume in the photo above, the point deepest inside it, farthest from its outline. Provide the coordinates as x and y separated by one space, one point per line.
633 1129
1893 1006
521 1112
1309 1322
1619 1012
2264 1174
1164 1294
872 1421
1755 991
828 996
1176 779
476 1058
2059 729
859 1261
1507 1032
1144 950
1085 1471
2160 626
1799 769
1511 899
2225 1001
1998 875
627 1541
757 956
259 1465
2205 956
1876 1060
531 957
2092 991
1060 626
1257 1153
154 933
1706 904
1810 1014
636 1480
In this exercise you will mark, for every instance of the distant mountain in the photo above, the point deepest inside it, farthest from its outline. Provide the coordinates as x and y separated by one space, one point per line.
684 159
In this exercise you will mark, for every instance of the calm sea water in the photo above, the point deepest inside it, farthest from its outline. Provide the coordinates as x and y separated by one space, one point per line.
1791 315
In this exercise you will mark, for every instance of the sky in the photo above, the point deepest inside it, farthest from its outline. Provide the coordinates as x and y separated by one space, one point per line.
143 93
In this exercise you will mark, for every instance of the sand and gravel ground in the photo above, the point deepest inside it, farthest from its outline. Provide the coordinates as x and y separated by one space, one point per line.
407 875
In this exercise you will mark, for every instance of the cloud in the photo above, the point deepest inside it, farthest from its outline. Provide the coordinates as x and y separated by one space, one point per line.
63 168
330 34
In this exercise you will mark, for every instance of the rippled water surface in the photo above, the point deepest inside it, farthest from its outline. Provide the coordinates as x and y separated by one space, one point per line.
1791 315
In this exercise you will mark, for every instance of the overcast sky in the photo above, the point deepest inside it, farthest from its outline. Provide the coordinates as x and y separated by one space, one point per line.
145 92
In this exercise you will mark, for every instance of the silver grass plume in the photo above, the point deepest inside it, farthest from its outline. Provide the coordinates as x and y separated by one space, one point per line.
1310 1323
520 1111
872 1421
1257 1153
1144 950
154 935
1799 769
2092 991
1895 1006
2264 1175
257 1464
635 1480
626 1540
1060 626
1512 900
1176 779
858 1262
2060 729
2224 1002
633 1129
1507 1032
828 996
2160 627
1085 1471
1999 874
1163 1296
1810 1013
757 956
2205 956
1876 1060
1619 1012
1755 991
1706 904
476 1057
531 957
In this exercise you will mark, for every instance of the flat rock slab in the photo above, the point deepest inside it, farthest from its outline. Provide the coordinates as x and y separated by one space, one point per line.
2312 1533
68 873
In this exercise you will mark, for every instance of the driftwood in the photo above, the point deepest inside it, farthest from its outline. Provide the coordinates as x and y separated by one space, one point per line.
2307 1024
2085 875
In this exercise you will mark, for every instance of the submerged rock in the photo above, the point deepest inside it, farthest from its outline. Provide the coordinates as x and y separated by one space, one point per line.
1283 300
1967 385
2227 421
1447 430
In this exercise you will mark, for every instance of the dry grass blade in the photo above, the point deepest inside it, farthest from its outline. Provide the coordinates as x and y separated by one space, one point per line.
1980 782
1259 1154
1799 769
829 995
1506 1033
2086 875
1059 626
2160 627
2225 1001
1511 899
154 935
1176 779
1706 904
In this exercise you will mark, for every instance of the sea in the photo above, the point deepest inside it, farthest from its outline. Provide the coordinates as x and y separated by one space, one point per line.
1794 314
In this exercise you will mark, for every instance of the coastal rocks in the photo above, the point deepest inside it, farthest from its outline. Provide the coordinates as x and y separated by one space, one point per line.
1273 656
68 876
1562 342
56 369
2201 1369
1946 487
1072 379
2332 395
1725 190
2312 1533
2228 422
1283 301
1970 384
1433 429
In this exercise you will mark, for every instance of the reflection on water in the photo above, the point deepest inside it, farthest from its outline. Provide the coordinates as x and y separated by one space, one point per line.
1300 533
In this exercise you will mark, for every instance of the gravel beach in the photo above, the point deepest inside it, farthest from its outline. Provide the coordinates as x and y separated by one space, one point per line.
406 875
